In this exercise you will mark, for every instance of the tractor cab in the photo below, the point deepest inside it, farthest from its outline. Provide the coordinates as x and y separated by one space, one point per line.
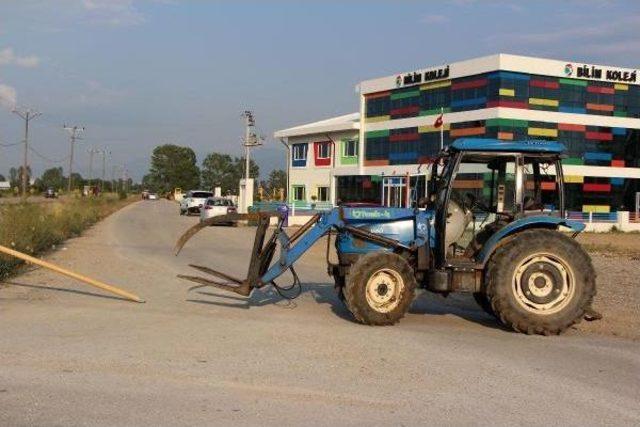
480 186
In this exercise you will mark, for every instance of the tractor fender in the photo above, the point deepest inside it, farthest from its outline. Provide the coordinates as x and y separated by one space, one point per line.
522 224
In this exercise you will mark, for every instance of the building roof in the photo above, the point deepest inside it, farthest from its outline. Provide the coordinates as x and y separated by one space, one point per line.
333 124
489 144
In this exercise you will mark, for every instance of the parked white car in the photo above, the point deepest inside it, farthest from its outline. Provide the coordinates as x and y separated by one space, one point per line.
215 206
193 201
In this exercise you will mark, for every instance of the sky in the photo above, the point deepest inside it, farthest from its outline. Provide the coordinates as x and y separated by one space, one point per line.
137 74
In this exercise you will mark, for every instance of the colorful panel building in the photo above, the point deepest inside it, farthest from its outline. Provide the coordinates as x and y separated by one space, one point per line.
594 110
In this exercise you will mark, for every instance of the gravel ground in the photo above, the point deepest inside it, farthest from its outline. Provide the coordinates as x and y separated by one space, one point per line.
616 257
192 355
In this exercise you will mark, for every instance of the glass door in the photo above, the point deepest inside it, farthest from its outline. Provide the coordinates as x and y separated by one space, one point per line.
394 191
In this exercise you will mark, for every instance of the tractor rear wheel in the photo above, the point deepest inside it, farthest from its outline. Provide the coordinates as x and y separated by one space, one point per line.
540 282
339 285
484 303
379 288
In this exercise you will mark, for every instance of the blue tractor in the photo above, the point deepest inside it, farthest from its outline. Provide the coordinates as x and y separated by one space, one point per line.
492 223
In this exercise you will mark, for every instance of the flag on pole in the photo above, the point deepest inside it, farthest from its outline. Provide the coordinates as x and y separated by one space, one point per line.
439 121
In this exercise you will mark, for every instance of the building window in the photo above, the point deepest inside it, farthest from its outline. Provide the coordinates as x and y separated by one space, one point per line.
323 194
299 155
300 152
298 193
324 150
322 153
351 148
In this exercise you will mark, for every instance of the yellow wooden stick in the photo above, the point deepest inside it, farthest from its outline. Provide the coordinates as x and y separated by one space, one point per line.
85 279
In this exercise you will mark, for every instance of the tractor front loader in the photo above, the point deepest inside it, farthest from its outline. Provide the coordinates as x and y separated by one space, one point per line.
503 243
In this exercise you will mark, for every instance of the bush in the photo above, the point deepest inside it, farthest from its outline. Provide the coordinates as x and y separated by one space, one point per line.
35 228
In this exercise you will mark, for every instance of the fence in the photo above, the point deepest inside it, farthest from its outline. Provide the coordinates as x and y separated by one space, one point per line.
591 217
295 208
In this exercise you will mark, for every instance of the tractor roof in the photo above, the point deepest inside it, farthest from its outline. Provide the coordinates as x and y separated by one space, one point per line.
490 144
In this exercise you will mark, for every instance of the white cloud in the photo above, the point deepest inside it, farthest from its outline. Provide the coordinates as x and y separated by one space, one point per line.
434 19
95 94
116 13
8 96
7 57
612 38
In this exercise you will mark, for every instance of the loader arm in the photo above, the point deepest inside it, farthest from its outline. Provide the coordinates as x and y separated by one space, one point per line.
261 270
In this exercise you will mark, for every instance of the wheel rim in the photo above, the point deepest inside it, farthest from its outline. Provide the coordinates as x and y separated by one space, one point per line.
543 284
384 289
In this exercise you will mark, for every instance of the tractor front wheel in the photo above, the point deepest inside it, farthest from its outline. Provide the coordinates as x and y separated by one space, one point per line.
379 288
540 282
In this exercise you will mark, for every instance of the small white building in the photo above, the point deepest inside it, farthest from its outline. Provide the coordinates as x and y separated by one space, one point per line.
318 153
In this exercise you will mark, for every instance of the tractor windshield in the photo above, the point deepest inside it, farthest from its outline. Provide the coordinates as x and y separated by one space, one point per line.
483 198
541 186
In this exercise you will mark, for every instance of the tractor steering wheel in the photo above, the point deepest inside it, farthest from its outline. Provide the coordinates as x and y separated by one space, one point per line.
474 202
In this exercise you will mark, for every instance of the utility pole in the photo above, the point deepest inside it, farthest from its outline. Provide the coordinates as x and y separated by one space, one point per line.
74 131
27 115
92 151
125 178
104 165
114 188
251 140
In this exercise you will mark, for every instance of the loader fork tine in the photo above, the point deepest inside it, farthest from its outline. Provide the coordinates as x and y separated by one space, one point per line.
216 273
241 289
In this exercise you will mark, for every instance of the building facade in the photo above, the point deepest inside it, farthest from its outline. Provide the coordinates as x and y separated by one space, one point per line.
594 110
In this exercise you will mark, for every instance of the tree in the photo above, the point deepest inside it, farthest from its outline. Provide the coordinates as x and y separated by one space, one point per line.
277 180
51 178
15 175
76 181
173 166
220 170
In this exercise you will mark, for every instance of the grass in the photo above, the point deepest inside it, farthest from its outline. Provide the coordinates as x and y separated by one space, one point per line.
35 228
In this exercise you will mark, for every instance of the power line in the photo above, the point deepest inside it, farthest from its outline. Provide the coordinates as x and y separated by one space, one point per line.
42 156
10 145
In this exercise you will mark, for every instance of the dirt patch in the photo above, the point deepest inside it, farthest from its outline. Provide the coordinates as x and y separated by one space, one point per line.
616 257
627 244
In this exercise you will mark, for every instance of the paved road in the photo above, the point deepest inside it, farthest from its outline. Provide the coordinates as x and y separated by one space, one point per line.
200 357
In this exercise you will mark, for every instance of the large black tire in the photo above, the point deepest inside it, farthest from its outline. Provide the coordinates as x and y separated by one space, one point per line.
484 303
379 288
540 282
339 285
